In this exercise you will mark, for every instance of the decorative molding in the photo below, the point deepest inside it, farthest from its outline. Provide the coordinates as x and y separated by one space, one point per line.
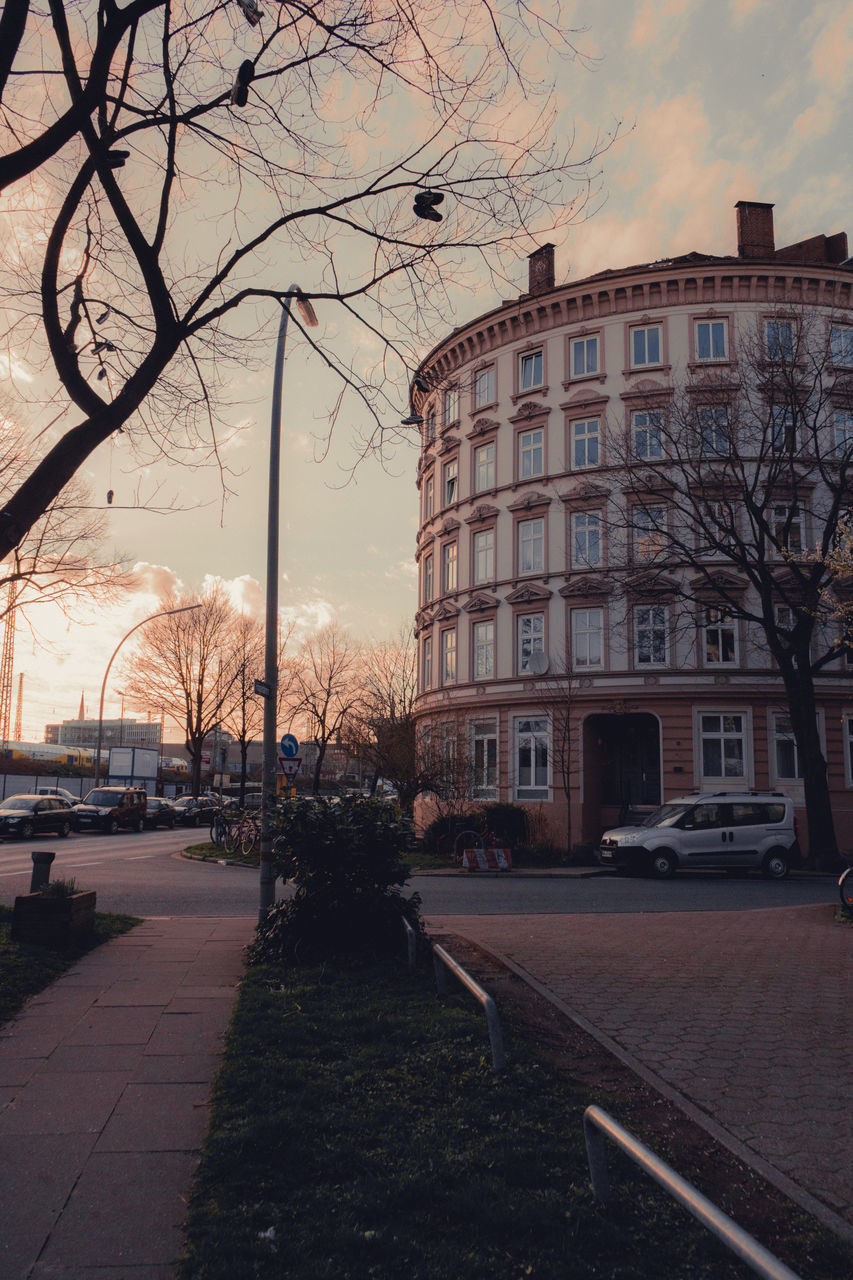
529 501
448 444
445 611
585 491
481 427
483 511
584 399
652 584
449 525
530 409
529 594
587 584
648 389
480 601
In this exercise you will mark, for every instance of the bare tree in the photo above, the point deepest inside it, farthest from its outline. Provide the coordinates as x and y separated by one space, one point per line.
171 167
61 560
325 689
187 665
243 712
736 492
381 730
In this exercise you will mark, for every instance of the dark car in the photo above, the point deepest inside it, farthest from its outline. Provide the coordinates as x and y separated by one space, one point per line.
22 817
112 808
198 811
159 813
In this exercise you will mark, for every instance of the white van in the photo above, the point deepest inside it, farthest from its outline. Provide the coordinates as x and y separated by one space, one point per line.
732 831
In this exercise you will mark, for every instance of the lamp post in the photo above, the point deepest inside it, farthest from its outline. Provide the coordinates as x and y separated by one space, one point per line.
270 695
165 613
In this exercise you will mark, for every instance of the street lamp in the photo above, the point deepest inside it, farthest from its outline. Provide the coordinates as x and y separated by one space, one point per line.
270 694
165 613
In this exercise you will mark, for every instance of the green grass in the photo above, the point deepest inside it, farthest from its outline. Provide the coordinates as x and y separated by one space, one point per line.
359 1133
26 970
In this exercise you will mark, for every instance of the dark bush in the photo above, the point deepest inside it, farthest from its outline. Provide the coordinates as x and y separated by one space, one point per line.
509 824
345 858
440 836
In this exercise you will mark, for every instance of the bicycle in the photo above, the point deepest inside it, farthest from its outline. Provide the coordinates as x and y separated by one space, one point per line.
219 830
242 833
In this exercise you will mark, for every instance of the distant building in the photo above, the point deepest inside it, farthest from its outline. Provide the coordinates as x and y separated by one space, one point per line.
114 733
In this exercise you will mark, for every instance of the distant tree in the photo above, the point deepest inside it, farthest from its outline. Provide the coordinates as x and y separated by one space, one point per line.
325 689
731 506
187 665
243 711
171 166
380 731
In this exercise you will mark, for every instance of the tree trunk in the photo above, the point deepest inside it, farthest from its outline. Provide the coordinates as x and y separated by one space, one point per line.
799 686
318 767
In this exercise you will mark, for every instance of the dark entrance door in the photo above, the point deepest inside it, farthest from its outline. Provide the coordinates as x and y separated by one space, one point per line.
621 768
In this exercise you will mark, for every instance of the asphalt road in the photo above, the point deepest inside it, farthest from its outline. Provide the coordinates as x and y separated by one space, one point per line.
145 875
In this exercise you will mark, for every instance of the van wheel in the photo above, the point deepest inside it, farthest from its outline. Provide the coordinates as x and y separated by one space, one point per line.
65 830
776 864
663 863
139 826
112 826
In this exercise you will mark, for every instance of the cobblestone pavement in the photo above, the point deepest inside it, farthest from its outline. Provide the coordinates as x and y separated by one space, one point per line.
748 1015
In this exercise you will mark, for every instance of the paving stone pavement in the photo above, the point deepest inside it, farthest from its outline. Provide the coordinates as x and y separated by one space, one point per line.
747 1016
104 1085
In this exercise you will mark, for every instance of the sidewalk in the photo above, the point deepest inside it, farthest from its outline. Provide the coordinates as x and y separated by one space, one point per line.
743 1018
104 1087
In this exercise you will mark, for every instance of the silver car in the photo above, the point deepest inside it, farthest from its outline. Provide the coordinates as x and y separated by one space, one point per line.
730 831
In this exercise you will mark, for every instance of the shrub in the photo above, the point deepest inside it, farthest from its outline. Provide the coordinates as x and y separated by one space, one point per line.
345 858
440 836
509 824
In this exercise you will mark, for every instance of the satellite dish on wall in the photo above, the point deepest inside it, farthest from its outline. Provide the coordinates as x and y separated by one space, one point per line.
538 663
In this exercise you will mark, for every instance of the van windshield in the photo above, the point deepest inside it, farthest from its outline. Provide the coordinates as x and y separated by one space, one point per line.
103 798
666 816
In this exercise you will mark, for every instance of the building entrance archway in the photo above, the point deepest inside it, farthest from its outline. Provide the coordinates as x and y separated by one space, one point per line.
621 769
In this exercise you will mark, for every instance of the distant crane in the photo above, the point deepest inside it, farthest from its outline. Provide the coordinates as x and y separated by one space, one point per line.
19 737
7 658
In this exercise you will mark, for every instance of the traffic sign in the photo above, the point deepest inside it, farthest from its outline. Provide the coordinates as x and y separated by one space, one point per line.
289 765
289 745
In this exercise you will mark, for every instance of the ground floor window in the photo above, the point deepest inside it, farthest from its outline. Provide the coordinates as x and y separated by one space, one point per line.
722 746
484 761
532 751
785 752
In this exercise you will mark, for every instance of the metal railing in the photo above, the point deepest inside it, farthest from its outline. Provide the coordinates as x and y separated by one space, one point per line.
441 961
597 1123
411 943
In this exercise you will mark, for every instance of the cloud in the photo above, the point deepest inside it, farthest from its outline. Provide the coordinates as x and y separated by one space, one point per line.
156 579
832 51
654 24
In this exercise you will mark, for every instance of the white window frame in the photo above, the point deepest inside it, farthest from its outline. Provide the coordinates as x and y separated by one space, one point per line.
428 578
584 356
651 631
585 443
450 405
843 423
483 649
650 531
484 387
450 482
784 430
448 655
714 430
705 335
588 638
484 467
449 567
782 735
531 453
718 517
530 639
484 759
718 627
642 337
426 663
780 338
531 734
780 514
531 370
647 434
724 727
531 546
483 556
586 539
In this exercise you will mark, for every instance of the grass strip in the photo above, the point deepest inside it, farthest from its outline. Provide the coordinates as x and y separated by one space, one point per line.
359 1132
26 970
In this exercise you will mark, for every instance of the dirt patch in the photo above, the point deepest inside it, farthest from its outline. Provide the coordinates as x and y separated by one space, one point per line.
777 1222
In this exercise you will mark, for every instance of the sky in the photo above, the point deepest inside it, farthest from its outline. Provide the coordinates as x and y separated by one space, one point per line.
714 103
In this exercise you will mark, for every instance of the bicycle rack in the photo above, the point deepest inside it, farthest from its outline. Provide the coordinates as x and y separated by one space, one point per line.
440 960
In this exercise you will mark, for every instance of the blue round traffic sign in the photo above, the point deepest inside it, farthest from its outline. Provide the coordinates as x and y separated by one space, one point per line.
289 745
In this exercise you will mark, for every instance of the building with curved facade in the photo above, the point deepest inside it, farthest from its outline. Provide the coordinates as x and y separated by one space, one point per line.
623 482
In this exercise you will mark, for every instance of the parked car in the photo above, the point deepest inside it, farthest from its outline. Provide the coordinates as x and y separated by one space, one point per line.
112 808
22 817
198 811
159 813
732 831
57 791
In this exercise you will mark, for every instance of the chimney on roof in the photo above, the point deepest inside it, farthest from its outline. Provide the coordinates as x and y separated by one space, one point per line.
541 269
755 237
